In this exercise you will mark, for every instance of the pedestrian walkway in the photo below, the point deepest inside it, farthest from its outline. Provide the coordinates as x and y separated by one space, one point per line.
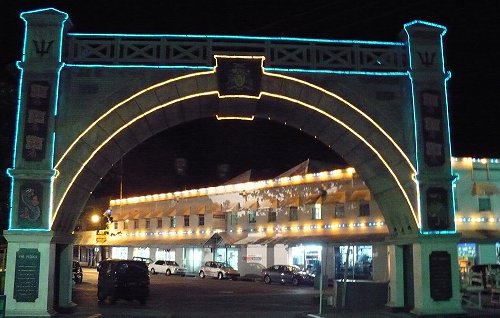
125 311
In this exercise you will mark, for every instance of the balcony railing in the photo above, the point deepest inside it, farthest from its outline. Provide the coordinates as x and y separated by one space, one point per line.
290 53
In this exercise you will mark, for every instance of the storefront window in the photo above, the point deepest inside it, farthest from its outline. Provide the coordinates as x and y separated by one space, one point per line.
252 216
186 220
271 216
316 212
136 224
141 252
354 262
294 213
119 252
201 220
364 209
148 223
159 223
339 210
172 221
166 255
484 204
307 257
233 218
193 259
227 255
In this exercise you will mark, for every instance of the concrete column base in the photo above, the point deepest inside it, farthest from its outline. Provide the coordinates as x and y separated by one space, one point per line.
41 241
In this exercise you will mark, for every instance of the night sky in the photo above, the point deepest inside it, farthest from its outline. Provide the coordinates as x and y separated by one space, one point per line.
471 55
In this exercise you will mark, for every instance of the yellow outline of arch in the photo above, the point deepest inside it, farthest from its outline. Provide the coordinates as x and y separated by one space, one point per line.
237 96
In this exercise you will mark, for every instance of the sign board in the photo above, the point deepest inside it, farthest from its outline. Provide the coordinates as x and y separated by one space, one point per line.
100 238
27 273
440 275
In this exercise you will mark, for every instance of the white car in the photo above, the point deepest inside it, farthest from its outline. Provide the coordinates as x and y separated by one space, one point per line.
167 267
219 270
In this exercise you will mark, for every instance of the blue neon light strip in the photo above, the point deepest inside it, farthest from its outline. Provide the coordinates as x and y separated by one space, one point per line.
191 67
237 37
301 70
268 69
409 41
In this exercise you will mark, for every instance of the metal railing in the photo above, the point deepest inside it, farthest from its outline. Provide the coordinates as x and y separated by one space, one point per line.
199 50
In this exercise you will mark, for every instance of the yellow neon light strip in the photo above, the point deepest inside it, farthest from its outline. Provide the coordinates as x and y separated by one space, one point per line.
123 102
234 118
242 96
357 135
351 106
116 133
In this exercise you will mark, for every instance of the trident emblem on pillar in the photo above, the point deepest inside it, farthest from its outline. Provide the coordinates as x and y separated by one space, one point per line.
42 47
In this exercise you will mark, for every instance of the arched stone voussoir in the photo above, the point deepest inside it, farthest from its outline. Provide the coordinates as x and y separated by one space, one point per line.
69 211
147 100
110 123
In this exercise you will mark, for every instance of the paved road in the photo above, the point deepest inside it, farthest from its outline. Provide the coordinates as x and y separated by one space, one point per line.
192 297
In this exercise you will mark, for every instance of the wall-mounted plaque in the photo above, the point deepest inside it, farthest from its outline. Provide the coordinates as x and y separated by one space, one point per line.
440 275
27 273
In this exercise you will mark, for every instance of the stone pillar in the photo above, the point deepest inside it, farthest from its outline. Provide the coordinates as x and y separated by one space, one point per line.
270 254
432 136
29 283
31 251
396 280
436 276
64 257
380 263
328 261
435 262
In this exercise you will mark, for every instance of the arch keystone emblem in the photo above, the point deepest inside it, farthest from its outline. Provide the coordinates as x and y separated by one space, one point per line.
239 76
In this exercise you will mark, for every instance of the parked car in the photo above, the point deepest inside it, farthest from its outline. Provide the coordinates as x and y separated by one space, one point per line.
287 274
77 272
123 279
219 270
146 260
251 270
167 267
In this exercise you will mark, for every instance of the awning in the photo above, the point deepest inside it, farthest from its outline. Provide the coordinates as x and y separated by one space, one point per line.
480 236
134 214
215 208
340 238
170 212
269 204
164 240
232 207
198 209
124 215
360 195
250 205
223 239
294 201
157 214
484 188
335 197
184 210
313 199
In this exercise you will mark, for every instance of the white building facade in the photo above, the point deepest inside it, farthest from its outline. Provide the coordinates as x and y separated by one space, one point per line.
325 219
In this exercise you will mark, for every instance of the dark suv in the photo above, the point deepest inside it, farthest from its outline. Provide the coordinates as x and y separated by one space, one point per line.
123 279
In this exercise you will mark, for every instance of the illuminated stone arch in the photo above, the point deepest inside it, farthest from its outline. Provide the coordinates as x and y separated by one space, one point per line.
386 168
67 137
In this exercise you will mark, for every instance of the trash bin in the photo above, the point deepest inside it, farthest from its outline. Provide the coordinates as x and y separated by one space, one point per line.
317 281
